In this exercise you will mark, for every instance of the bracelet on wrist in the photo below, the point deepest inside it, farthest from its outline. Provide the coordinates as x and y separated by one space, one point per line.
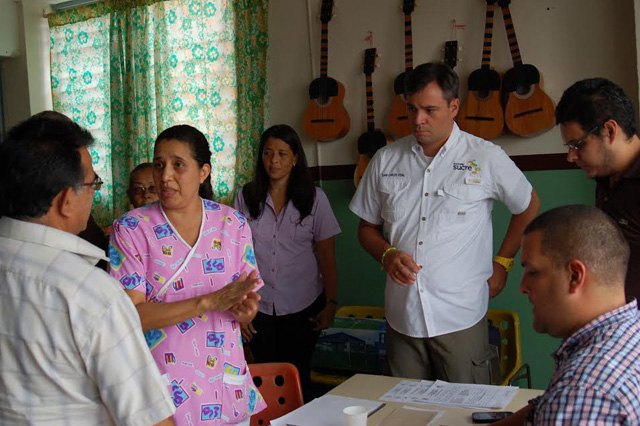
384 254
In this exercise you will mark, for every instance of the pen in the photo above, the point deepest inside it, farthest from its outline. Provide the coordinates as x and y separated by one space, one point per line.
380 407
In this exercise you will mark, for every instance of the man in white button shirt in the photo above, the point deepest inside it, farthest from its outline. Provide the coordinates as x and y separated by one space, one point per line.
71 342
432 194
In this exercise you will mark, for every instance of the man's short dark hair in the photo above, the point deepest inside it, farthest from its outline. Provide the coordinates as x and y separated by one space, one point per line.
39 159
422 75
587 234
593 101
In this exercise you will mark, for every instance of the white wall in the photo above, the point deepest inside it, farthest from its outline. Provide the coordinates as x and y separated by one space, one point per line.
566 40
26 77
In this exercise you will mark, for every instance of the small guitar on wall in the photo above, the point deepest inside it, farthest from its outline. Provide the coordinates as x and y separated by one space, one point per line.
373 139
398 117
529 110
481 114
326 119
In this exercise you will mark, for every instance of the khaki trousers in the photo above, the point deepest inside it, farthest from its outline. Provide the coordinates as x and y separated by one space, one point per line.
464 356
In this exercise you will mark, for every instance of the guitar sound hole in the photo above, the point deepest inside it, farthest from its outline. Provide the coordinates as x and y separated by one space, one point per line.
524 90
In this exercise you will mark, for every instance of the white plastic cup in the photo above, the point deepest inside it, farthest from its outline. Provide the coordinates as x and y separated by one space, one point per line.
356 415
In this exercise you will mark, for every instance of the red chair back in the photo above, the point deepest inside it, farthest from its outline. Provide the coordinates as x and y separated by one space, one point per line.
279 384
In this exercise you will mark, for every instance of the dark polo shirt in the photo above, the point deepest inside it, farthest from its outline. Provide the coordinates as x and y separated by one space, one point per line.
621 201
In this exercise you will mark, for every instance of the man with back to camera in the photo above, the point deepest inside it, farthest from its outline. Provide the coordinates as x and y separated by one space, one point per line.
598 125
71 342
575 260
432 192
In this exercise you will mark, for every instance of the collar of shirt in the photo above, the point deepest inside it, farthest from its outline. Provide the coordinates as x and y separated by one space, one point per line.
36 233
577 339
451 142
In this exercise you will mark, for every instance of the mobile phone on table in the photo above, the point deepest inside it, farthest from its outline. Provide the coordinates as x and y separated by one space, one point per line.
490 416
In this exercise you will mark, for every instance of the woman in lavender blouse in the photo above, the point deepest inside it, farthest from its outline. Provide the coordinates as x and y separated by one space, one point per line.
293 229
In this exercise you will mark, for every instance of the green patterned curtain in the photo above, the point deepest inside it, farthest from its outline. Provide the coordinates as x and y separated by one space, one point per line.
126 70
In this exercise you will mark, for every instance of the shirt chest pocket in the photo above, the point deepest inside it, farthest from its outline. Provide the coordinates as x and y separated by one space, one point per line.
302 231
462 199
393 199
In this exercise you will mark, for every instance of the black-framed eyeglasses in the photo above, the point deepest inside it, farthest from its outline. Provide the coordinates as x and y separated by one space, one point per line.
141 190
96 184
579 142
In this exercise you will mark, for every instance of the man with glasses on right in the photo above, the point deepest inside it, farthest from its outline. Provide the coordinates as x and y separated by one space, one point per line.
599 127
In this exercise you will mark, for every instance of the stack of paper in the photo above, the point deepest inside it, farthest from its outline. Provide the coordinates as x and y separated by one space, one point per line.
323 411
451 394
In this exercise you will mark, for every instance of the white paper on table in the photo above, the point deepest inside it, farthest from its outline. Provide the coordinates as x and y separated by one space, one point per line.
469 395
407 391
323 411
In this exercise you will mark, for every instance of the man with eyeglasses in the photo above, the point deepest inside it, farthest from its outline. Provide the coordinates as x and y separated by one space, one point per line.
71 342
599 126
142 190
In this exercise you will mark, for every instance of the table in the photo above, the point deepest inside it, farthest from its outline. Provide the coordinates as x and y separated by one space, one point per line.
367 386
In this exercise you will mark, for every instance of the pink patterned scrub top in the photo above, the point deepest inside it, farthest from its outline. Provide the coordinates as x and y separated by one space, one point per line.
202 358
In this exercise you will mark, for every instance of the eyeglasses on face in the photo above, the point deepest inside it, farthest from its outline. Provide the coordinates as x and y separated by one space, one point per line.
579 142
141 190
96 184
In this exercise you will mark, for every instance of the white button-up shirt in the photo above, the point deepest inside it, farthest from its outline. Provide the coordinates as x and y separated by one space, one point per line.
71 344
439 212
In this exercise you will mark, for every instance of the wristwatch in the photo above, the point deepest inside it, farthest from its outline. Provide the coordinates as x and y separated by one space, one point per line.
506 262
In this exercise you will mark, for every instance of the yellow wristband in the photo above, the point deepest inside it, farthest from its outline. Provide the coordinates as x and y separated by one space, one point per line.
384 253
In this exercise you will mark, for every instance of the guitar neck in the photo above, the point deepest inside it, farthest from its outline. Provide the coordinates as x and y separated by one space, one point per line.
371 122
488 35
511 34
324 50
408 43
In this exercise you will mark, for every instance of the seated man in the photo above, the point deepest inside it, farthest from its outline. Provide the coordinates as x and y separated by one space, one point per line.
71 342
575 260
142 190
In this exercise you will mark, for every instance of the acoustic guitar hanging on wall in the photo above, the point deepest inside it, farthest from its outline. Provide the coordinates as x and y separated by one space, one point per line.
528 110
326 119
481 114
398 117
373 139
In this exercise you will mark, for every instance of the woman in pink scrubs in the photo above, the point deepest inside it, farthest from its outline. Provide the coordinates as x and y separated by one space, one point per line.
293 229
188 265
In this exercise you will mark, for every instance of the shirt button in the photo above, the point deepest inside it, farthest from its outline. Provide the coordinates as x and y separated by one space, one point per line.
273 270
420 243
274 235
426 194
428 170
422 290
274 253
423 219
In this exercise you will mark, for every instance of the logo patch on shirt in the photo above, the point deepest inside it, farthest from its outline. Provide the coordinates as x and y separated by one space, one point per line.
216 244
469 166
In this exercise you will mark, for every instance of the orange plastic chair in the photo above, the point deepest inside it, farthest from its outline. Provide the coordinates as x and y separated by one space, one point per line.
279 385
